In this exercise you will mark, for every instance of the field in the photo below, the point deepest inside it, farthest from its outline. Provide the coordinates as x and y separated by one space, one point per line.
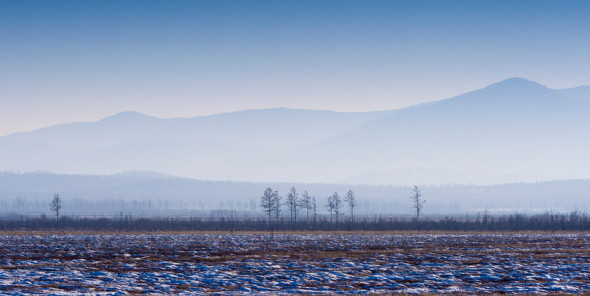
176 263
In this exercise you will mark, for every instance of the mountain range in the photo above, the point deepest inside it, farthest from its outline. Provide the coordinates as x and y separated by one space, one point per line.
515 130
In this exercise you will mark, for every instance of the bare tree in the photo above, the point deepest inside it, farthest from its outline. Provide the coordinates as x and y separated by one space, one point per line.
267 203
417 201
55 205
331 205
337 205
292 204
276 204
351 201
305 203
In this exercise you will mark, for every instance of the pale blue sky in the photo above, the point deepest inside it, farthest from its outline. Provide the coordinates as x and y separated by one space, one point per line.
64 61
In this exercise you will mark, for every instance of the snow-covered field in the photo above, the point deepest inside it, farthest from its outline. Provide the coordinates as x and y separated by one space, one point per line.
294 263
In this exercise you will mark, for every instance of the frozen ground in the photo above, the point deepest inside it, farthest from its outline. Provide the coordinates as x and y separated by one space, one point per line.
254 263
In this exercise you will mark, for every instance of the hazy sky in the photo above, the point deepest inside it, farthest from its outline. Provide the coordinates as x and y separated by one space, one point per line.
64 61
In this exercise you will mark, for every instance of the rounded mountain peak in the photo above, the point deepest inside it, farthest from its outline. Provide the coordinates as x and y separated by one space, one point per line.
127 116
517 83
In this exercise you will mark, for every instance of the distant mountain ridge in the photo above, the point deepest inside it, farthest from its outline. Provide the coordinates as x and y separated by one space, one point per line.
211 145
514 127
247 128
513 130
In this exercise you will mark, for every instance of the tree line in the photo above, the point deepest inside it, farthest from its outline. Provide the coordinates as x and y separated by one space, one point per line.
271 204
574 221
303 215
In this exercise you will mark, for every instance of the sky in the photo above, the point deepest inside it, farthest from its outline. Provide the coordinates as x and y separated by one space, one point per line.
67 61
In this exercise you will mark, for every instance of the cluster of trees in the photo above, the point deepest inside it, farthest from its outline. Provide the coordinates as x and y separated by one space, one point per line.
335 204
271 203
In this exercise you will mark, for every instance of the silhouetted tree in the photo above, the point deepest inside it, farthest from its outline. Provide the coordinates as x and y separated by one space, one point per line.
267 201
276 204
351 201
305 203
292 204
337 206
417 202
331 205
55 205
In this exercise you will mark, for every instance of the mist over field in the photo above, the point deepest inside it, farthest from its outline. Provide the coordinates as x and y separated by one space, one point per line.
198 106
145 194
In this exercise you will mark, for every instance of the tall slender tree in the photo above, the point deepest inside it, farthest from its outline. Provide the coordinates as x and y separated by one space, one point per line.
267 203
417 201
350 199
276 205
337 206
330 206
305 203
293 204
55 205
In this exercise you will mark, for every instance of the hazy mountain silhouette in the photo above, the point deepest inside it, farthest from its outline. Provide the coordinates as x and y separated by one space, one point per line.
513 130
223 146
278 127
512 127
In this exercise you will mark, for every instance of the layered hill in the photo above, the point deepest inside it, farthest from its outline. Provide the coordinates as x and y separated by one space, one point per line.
514 130
224 146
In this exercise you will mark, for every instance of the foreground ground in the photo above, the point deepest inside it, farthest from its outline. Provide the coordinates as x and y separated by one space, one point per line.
294 263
